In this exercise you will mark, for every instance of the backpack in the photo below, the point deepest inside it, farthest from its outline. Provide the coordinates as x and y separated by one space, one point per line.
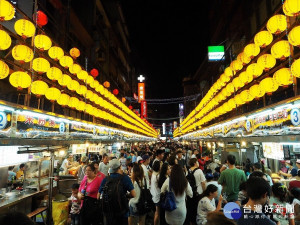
145 203
114 201
191 179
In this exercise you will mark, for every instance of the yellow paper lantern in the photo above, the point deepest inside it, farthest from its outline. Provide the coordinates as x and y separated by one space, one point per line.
64 80
5 40
81 106
238 100
246 96
40 65
243 58
82 75
231 103
236 65
256 91
281 50
276 24
291 7
89 94
63 99
66 61
39 88
263 38
96 83
81 90
22 53
237 83
55 53
25 28
73 102
7 11
42 42
254 70
73 85
295 68
283 77
52 94
251 50
229 72
75 69
269 85
54 73
20 80
4 70
266 62
75 53
230 88
294 36
224 78
245 77
90 80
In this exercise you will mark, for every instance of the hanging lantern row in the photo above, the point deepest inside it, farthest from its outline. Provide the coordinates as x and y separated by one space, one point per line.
21 80
222 89
283 77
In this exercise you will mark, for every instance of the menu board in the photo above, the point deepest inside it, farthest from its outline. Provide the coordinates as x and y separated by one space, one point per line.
273 150
9 156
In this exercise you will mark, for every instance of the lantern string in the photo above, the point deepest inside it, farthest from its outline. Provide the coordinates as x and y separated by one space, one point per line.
168 100
291 50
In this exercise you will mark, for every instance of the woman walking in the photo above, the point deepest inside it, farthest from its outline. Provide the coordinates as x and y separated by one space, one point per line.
181 188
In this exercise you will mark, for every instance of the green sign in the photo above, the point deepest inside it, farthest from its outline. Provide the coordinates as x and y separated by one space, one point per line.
215 53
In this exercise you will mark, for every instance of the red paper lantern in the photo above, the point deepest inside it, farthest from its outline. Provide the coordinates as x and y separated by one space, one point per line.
106 84
42 18
94 73
115 91
130 107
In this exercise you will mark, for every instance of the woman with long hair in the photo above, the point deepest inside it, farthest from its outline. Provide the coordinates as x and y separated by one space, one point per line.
177 183
279 200
88 191
155 190
139 181
207 203
164 173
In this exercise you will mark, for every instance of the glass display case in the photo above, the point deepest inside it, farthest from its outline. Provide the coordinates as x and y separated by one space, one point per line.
37 174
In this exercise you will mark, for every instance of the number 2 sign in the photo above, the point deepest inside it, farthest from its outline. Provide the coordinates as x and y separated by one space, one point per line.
3 120
295 116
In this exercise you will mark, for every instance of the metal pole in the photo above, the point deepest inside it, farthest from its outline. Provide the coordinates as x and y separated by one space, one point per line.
50 189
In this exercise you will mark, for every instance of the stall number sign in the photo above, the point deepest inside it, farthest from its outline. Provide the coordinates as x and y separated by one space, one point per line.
3 120
295 113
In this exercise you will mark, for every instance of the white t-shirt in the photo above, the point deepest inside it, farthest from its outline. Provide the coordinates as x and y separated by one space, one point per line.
146 174
154 189
199 178
64 166
75 207
103 168
205 206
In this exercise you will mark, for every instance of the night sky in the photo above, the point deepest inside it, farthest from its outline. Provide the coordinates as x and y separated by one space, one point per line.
169 41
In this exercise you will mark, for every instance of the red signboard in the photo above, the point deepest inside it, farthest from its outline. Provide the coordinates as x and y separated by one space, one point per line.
144 109
141 91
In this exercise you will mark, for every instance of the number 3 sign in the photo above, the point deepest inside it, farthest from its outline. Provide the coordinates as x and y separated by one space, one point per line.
3 120
295 116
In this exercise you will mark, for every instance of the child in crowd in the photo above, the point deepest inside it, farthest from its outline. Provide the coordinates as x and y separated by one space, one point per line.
75 205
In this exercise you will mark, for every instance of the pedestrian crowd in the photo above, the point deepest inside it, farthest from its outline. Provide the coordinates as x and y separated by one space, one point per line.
176 185
168 183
